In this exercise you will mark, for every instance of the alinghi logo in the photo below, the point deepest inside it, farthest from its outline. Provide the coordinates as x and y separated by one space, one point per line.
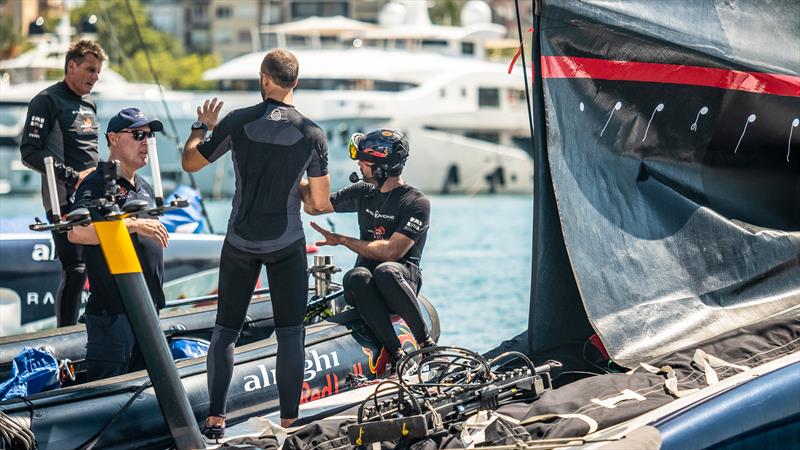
266 377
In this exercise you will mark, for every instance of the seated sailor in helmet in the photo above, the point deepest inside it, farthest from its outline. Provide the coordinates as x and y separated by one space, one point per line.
393 220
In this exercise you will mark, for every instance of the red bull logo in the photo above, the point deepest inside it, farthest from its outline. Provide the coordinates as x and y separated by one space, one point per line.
331 387
377 366
376 153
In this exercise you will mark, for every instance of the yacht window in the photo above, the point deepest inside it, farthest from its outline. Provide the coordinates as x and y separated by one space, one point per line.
434 44
523 142
329 41
224 11
238 85
392 86
333 84
463 92
302 10
516 96
442 92
295 40
488 97
487 136
467 48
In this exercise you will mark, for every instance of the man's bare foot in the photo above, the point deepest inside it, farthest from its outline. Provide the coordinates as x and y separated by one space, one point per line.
286 423
215 420
214 429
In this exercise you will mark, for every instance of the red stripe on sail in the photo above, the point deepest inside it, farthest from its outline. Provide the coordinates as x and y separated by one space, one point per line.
601 69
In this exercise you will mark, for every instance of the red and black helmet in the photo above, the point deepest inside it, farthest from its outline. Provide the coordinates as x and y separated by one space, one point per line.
386 149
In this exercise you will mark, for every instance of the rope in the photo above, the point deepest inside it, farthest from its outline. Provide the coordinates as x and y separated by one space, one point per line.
88 445
524 70
15 433
166 109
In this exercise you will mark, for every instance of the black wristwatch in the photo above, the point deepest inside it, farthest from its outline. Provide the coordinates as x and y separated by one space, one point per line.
199 125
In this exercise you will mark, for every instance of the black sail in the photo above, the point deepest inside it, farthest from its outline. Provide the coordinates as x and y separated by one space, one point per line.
673 147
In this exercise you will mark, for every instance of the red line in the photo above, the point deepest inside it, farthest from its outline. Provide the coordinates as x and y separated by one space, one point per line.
601 69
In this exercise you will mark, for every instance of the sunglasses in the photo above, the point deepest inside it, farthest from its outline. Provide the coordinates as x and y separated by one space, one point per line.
139 135
353 145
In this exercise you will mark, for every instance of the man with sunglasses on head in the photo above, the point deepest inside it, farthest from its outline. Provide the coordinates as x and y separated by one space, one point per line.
273 146
393 220
110 341
62 123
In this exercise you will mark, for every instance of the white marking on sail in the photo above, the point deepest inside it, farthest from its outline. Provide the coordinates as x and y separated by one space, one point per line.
702 112
795 123
750 119
616 108
659 108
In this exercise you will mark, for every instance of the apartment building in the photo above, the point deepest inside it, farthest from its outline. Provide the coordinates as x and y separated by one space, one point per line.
232 27
23 12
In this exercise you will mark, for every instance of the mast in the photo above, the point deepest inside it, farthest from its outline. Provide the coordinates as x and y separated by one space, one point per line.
555 300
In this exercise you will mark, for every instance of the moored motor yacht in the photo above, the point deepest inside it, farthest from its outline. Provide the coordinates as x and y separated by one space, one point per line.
465 116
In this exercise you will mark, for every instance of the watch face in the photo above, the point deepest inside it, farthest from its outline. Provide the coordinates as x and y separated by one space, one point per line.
197 125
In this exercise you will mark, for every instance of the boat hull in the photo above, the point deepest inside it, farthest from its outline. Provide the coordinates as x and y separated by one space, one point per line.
335 347
30 274
198 321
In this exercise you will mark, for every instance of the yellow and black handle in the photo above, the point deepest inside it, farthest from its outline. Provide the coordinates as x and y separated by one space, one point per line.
125 268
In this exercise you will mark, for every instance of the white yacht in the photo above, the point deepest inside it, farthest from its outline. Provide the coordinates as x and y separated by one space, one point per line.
23 77
465 117
112 93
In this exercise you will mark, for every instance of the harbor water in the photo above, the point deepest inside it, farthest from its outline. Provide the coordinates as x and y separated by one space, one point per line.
476 264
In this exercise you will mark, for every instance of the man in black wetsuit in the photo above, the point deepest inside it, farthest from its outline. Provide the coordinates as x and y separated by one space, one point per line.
62 123
110 341
272 146
393 220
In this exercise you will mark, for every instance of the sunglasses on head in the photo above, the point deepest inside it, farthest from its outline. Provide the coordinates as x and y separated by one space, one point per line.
139 135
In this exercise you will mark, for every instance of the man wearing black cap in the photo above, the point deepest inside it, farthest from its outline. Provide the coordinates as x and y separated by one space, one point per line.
62 123
110 340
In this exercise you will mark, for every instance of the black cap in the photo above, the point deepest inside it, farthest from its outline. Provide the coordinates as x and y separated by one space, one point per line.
132 118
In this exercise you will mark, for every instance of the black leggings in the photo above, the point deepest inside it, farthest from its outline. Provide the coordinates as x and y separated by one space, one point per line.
287 273
73 278
389 288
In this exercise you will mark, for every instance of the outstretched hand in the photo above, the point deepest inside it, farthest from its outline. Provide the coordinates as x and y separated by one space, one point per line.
330 237
209 113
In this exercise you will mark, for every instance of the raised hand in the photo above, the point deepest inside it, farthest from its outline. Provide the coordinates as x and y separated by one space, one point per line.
209 113
330 238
